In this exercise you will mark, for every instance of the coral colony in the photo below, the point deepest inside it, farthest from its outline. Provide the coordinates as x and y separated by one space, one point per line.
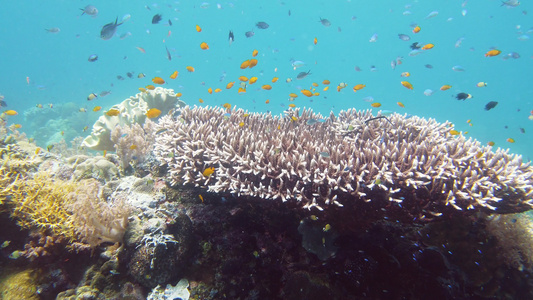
342 159
220 203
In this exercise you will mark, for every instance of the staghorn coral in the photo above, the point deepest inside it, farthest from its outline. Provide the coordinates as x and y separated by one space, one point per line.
412 163
133 142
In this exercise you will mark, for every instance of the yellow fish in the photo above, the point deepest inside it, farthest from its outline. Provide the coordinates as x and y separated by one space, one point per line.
208 171
407 84
158 80
112 112
97 108
153 113
11 112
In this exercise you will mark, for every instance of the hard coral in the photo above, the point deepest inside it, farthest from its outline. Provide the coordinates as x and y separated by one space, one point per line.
133 142
407 162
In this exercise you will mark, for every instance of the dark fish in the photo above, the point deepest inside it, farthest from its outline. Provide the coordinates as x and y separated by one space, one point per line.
231 38
168 54
120 77
415 46
2 102
129 74
404 37
428 66
156 18
93 58
491 105
302 75
109 30
325 22
464 96
262 25
104 93
522 130
249 34
169 22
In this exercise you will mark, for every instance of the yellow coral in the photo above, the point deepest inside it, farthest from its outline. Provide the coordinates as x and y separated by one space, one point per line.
19 285
42 202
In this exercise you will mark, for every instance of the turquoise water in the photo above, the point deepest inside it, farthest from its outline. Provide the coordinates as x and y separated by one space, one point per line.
39 67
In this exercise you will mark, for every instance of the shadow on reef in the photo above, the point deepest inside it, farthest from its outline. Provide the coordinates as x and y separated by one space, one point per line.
249 248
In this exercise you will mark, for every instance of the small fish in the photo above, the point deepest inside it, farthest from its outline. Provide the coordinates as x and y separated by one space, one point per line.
325 22
169 57
308 93
302 75
231 37
198 28
416 29
373 38
510 140
481 84
93 58
91 10
113 112
174 75
459 42
522 130
493 52
427 46
83 109
358 87
156 18
428 66
158 80
454 132
511 3
204 46
262 25
375 104
153 113
463 96
104 93
190 69
491 143
432 14
120 77
109 30
266 87
249 34
400 104
53 30
11 112
208 171
491 105
141 75
404 37
405 74
458 69
445 87
407 84
428 92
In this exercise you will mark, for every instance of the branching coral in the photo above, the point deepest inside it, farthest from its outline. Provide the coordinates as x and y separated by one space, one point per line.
412 162
133 142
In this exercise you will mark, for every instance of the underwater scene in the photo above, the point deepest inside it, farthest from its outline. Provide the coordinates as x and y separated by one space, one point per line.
266 150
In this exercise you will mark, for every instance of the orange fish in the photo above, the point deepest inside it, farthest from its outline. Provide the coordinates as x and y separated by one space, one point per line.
405 74
201 198
510 140
445 87
150 87
292 105
407 84
179 94
189 68
200 100
454 132
326 88
243 78
326 82
314 84
492 52
267 101
254 53
252 80
358 87
315 41
113 112
208 171
241 90
241 124
400 104
230 85
142 89
174 75
158 80
491 143
245 64
293 95
375 104
204 46
253 63
141 49
316 94
97 108
210 90
198 28
308 93
274 79
428 46
416 29
218 90
226 105
266 87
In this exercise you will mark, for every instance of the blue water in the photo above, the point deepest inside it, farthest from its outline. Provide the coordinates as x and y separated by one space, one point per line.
59 73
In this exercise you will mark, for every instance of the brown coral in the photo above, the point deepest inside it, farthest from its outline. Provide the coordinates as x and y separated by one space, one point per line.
413 162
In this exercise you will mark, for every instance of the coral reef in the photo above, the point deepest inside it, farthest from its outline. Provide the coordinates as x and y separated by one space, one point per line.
19 285
133 142
132 111
412 163
97 167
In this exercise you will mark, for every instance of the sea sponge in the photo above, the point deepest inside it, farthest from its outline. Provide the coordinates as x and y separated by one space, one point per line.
97 167
132 111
